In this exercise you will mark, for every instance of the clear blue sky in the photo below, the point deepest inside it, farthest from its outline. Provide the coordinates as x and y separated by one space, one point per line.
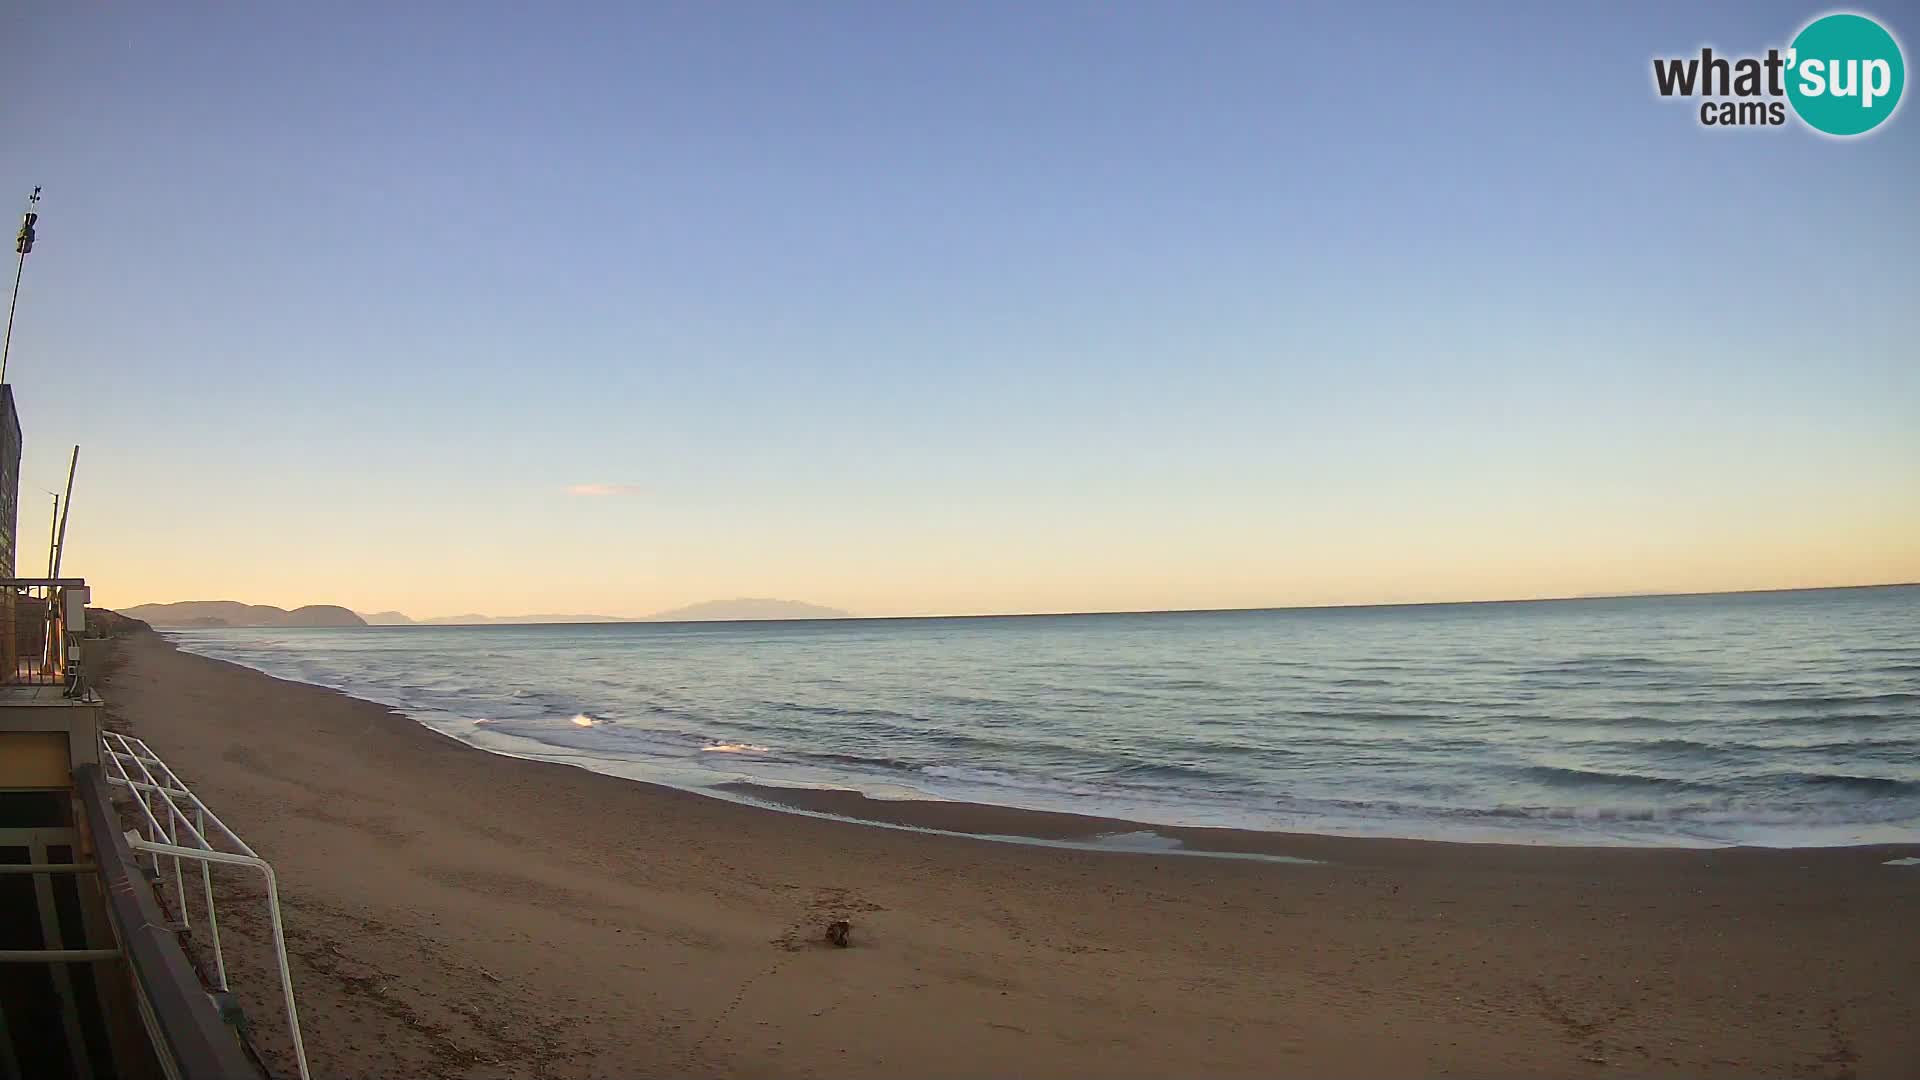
936 308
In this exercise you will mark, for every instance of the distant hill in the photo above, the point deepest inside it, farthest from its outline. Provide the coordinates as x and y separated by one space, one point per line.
746 608
217 613
484 620
234 613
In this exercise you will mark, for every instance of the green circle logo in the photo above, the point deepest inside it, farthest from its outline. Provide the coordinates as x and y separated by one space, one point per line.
1845 74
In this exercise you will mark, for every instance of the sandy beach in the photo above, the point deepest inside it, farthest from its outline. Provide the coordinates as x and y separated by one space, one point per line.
454 913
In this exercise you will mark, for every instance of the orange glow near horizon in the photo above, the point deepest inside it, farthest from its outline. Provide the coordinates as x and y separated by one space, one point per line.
979 570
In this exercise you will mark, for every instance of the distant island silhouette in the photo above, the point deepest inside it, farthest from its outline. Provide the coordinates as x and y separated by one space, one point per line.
232 613
745 608
395 618
738 610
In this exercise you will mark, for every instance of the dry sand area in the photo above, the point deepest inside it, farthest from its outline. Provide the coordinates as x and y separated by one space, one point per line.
455 913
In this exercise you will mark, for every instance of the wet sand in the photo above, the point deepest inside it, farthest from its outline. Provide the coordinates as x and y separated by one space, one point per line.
454 913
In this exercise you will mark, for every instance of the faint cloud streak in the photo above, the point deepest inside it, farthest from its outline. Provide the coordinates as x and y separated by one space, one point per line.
602 491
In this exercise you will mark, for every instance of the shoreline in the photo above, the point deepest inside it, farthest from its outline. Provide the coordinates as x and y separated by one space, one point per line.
933 812
1012 824
453 912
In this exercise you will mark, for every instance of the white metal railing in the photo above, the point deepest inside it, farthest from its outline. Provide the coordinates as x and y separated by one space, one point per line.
177 828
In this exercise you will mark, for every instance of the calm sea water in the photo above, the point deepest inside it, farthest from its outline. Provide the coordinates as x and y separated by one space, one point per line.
1780 718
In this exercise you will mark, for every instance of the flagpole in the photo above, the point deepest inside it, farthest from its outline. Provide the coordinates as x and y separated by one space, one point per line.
22 244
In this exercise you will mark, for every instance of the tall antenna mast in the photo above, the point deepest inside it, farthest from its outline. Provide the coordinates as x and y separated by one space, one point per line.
22 243
60 538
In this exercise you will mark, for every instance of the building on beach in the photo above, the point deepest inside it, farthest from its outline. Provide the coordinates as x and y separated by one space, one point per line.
101 950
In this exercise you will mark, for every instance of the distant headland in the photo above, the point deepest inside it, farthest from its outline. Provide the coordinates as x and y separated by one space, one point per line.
231 613
214 613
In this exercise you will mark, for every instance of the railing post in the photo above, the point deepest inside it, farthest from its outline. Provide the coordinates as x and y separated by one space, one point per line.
179 884
286 970
213 922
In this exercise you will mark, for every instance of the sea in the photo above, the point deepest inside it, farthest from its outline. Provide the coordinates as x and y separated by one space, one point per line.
1781 719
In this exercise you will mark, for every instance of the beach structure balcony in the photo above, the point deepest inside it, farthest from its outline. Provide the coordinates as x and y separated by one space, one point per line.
43 624
106 886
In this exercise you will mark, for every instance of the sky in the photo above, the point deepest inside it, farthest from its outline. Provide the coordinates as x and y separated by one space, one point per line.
919 309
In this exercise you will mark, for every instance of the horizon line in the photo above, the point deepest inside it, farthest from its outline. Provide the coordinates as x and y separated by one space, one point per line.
619 619
1231 610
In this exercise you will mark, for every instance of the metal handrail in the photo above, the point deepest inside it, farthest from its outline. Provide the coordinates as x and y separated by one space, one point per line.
189 1037
120 751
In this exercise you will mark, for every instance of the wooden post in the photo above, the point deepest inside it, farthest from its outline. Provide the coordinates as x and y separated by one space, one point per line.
60 538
